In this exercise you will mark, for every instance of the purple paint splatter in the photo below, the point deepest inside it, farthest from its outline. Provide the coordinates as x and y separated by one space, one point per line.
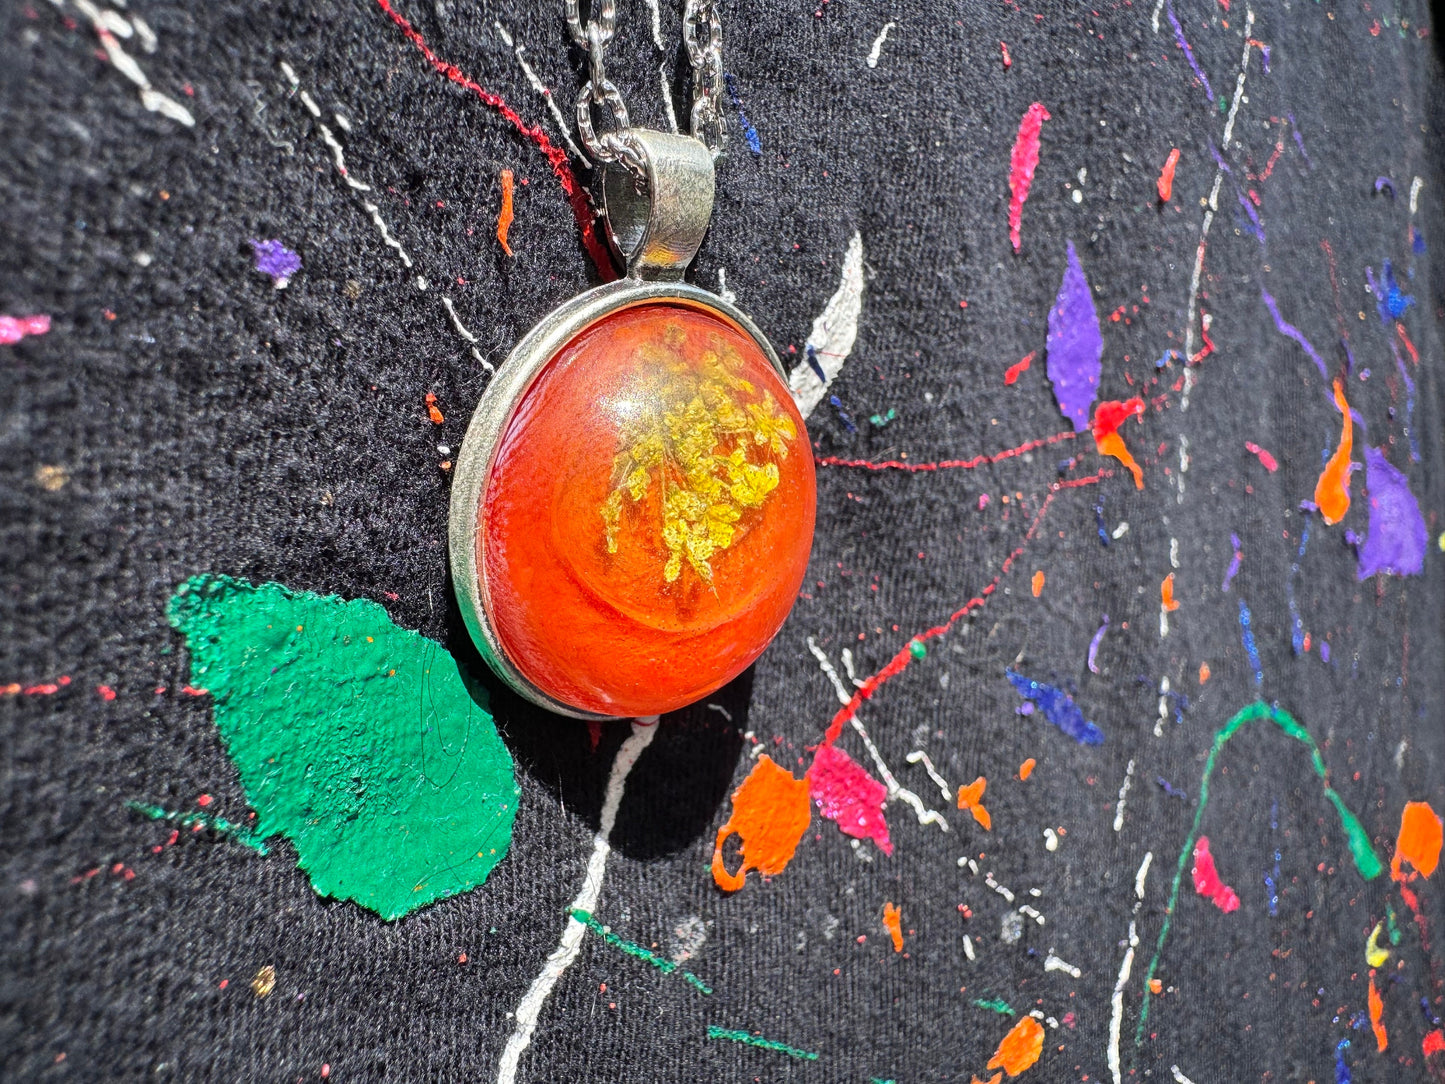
1234 562
1189 53
275 259
1094 646
1396 540
1290 331
1075 345
1409 402
1384 183
1059 708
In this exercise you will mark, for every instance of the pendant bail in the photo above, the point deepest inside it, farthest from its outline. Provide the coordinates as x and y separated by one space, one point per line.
656 219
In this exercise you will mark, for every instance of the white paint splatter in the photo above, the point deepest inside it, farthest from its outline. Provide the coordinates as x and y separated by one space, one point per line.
1053 963
546 93
530 1007
1158 10
968 947
466 334
1174 542
1032 913
1051 839
873 53
1123 792
919 755
834 332
1142 874
1415 187
1000 889
107 25
1163 706
1179 1078
722 286
1121 530
1116 1020
1010 927
663 81
687 938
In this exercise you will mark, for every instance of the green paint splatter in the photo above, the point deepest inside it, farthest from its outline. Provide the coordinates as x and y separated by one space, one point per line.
715 1032
632 948
361 742
1367 862
998 1005
238 832
917 648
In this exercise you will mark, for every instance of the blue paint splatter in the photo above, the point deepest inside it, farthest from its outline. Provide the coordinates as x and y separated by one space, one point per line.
1297 631
1103 531
755 144
1251 649
842 414
1417 242
275 259
1165 358
811 353
1409 401
1392 300
1058 707
1272 882
1325 650
1171 790
1234 563
1298 142
1342 1071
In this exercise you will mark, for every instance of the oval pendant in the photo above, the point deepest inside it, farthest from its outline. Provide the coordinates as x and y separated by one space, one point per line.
632 507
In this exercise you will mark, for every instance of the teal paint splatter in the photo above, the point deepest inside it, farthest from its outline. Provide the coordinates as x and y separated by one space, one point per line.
715 1032
238 832
998 1005
361 742
632 948
1362 851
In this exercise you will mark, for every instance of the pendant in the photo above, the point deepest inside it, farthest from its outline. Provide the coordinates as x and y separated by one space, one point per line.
632 508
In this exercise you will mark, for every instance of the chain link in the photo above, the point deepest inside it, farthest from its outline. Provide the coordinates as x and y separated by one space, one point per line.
702 34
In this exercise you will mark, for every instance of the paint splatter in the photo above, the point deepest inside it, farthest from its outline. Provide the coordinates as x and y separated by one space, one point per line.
1290 331
755 143
1396 540
1342 1069
1020 1048
631 948
275 259
1189 53
1094 645
1058 707
1026 769
1376 956
995 1004
361 742
847 794
209 821
834 332
1246 635
1332 491
1234 562
1266 460
715 1032
1109 416
1419 841
1017 369
1165 183
1207 881
1377 1013
770 814
1022 163
893 923
1392 301
1038 583
970 797
15 328
507 212
1075 344
1166 594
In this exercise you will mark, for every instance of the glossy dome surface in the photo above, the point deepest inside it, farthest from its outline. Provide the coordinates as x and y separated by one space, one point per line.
647 521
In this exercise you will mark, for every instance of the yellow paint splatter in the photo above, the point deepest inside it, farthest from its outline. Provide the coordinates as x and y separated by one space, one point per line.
1038 583
1332 491
264 982
1376 956
893 923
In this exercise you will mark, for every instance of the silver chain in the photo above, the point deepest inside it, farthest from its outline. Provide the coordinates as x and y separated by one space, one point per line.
701 33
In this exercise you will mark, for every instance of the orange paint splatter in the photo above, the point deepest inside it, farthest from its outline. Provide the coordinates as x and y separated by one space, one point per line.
432 411
770 814
1038 583
1332 491
1419 841
1020 1048
1203 672
1108 417
1166 594
1377 1012
1165 183
970 797
1026 769
893 922
1156 986
504 216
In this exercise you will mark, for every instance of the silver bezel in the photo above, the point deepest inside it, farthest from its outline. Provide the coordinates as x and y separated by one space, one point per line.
479 448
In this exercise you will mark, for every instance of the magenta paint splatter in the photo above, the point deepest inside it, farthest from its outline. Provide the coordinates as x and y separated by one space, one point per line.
15 328
1395 543
1207 881
1058 707
275 259
1075 345
849 795
1189 53
1269 462
1022 163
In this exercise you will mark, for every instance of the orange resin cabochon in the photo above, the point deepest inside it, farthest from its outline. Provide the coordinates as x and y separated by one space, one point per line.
647 521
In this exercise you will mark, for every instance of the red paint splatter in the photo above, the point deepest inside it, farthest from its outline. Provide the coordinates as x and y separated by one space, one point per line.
1022 163
947 464
577 196
432 410
1008 61
1108 417
847 794
1266 460
1405 341
1207 881
1434 1043
1017 369
106 692
203 801
1165 183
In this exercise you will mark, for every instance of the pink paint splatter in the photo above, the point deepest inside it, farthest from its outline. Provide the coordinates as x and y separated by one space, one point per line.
1269 462
1206 879
15 328
1022 163
849 795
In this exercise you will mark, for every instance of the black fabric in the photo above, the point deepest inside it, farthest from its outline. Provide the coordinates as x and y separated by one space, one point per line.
209 422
